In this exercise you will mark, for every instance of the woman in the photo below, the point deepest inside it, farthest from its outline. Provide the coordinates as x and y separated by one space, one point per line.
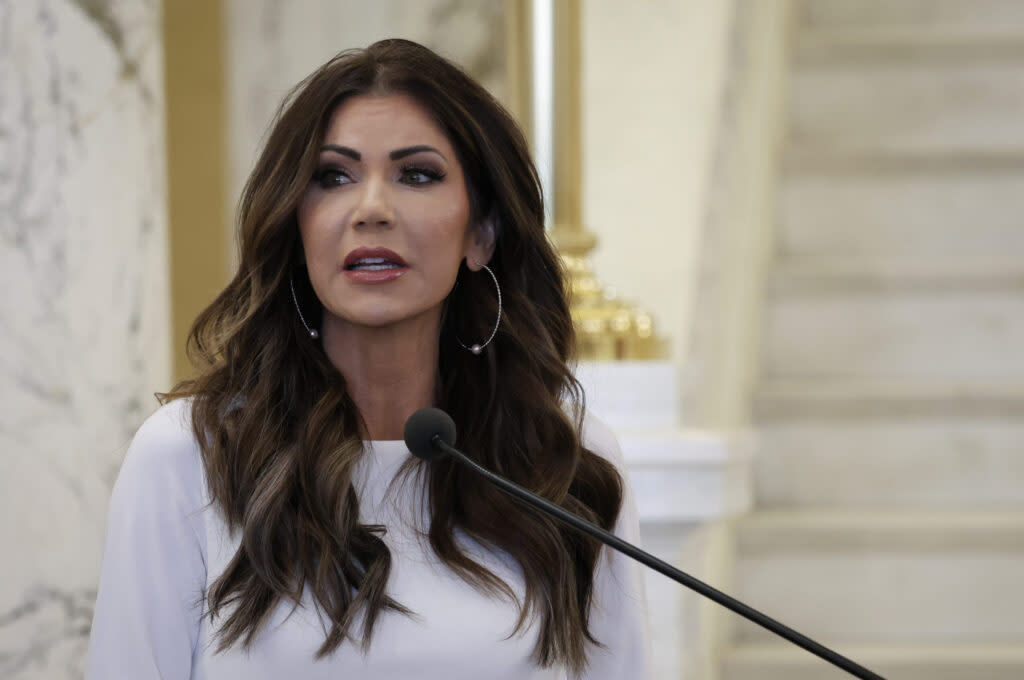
269 522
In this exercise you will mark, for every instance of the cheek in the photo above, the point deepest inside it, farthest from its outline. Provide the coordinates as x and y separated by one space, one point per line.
314 230
304 217
444 226
444 247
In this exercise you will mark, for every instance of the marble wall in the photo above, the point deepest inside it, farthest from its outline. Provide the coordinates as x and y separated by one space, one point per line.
84 315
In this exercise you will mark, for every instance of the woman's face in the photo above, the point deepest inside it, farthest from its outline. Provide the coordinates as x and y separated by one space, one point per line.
385 221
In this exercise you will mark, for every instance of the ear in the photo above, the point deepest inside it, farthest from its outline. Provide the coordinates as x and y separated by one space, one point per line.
481 242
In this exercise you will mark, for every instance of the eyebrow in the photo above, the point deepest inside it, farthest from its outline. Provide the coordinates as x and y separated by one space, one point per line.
394 155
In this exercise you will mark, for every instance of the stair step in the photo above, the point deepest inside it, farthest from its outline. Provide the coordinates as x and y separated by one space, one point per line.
907 44
977 15
824 530
887 323
853 211
861 577
885 401
953 463
812 160
843 273
907 106
781 661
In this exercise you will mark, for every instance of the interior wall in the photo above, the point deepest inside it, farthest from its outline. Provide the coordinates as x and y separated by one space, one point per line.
736 245
653 75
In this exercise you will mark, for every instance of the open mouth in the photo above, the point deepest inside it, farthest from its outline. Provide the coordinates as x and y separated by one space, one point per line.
373 260
374 265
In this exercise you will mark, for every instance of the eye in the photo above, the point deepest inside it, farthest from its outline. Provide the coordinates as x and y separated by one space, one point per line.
417 175
331 177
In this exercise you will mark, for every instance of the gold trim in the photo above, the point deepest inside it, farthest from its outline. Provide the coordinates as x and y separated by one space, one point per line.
608 329
196 163
567 230
518 63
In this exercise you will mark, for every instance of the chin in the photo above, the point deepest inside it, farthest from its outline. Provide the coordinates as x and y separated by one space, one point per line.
373 320
376 317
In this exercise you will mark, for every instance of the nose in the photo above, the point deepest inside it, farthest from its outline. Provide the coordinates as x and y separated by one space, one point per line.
374 208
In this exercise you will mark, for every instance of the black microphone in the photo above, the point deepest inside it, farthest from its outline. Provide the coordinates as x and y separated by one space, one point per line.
430 435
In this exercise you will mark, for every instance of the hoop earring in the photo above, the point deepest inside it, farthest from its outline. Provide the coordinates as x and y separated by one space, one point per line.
313 333
477 349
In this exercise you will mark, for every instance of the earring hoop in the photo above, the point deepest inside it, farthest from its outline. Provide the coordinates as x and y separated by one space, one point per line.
313 333
477 349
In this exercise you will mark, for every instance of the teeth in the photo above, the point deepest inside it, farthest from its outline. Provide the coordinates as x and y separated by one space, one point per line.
375 267
374 264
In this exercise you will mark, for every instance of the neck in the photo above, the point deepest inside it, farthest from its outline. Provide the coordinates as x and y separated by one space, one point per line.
390 371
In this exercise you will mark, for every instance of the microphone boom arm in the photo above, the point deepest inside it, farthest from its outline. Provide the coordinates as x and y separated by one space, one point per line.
665 568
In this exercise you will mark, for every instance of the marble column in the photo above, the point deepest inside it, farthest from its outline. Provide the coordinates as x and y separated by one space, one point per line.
84 314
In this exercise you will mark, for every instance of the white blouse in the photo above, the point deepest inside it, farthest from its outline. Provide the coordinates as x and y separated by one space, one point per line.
166 544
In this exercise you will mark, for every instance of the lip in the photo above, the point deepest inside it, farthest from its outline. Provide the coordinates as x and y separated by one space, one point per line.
368 276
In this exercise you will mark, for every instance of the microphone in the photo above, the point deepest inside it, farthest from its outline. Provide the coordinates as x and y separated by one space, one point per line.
430 435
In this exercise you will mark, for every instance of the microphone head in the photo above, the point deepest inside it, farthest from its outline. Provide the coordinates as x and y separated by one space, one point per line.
421 428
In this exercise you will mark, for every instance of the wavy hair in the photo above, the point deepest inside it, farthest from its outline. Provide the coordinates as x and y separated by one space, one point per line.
280 469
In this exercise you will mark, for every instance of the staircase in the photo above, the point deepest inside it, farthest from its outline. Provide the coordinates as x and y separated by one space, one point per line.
889 516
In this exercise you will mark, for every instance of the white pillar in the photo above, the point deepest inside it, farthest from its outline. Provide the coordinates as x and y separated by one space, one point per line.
689 486
84 308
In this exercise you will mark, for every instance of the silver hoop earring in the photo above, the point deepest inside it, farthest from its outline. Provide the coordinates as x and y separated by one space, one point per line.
313 333
477 349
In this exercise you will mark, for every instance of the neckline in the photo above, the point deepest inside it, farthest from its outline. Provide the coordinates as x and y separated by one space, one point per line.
386 446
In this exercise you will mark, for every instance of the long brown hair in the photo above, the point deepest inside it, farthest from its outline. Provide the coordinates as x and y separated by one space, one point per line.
280 434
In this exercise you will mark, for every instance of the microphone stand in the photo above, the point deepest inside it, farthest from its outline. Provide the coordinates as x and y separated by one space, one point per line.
665 568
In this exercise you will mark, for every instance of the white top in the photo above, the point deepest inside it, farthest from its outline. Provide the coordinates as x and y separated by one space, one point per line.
164 547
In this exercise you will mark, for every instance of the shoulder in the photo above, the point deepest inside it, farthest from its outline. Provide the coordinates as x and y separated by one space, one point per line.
600 439
165 437
164 452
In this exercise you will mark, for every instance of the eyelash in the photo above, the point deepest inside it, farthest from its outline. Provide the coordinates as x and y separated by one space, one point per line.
432 174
